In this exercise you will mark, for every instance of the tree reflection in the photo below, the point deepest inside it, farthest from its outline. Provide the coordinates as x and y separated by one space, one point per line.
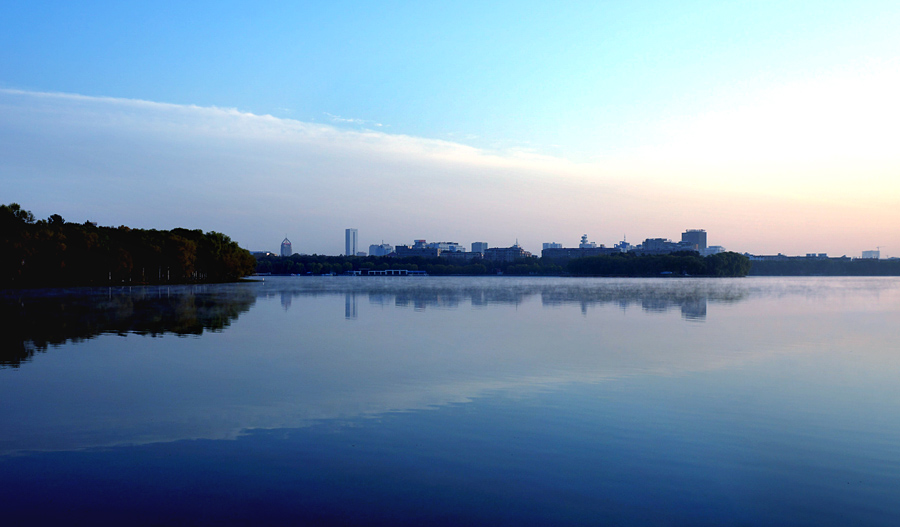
38 319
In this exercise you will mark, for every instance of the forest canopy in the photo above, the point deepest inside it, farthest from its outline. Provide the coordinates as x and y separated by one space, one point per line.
54 252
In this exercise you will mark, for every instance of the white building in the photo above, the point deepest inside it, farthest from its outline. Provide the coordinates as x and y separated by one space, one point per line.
479 247
381 250
712 249
552 245
871 255
585 244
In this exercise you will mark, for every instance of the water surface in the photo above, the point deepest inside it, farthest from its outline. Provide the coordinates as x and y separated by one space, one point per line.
355 400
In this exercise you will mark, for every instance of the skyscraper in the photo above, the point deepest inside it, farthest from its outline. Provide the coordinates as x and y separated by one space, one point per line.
350 236
695 237
479 247
286 249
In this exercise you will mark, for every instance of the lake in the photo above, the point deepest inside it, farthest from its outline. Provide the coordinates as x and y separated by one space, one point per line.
454 401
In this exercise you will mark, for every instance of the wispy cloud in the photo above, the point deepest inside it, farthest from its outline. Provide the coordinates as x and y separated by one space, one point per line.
350 120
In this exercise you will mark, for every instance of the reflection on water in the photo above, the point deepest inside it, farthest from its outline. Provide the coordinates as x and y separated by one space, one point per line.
653 297
36 319
40 318
552 397
351 307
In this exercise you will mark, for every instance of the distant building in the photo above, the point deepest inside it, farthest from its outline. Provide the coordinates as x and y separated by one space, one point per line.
350 238
286 249
506 254
585 244
696 238
446 246
624 246
712 249
381 250
418 248
558 253
403 251
658 246
871 255
479 247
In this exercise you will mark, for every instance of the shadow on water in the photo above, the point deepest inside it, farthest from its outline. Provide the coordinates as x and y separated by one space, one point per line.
37 319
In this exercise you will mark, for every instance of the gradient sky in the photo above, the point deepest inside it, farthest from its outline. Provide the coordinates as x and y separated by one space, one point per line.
773 125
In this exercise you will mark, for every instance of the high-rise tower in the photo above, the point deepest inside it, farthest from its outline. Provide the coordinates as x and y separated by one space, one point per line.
350 236
286 249
695 237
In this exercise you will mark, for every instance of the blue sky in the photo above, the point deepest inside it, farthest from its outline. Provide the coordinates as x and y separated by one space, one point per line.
767 123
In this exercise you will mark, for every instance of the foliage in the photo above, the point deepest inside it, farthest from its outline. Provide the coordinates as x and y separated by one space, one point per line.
683 263
53 252
800 266
319 264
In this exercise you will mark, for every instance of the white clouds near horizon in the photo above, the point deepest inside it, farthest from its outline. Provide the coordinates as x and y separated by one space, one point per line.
257 177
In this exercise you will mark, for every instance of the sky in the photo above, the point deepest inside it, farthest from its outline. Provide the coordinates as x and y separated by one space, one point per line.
772 125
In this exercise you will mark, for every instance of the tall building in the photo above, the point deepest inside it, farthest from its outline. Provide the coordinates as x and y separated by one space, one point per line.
695 237
286 248
479 247
350 238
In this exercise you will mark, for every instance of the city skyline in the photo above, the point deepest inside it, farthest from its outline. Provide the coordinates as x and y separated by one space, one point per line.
772 125
692 236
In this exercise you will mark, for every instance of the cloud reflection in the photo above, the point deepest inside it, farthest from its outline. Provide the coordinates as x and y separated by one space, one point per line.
291 351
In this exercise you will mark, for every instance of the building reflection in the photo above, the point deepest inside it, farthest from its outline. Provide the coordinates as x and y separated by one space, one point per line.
694 309
351 306
692 303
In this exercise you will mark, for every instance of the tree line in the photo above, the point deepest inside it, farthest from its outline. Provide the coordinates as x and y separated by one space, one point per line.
624 264
54 252
682 263
316 264
826 267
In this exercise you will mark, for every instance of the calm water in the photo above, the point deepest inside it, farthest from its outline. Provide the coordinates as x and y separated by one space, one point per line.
448 401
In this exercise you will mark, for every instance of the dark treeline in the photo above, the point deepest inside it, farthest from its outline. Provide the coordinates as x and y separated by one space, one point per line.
685 263
54 252
826 267
625 264
319 264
